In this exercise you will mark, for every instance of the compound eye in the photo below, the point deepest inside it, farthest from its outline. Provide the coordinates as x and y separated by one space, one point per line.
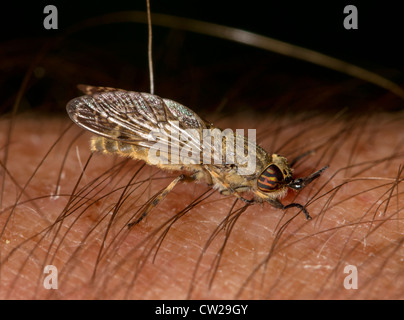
270 178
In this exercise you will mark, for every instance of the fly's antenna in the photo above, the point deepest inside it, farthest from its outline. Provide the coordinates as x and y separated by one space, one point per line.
149 50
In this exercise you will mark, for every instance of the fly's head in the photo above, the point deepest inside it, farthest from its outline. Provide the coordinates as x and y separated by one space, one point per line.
274 181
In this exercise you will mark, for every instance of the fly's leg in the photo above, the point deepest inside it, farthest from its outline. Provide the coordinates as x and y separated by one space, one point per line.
277 204
236 192
274 202
247 200
298 205
160 196
299 184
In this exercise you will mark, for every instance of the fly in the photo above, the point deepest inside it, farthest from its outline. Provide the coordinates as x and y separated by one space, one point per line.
133 124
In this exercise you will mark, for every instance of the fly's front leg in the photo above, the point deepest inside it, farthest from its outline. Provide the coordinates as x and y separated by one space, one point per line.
277 204
225 188
236 192
157 198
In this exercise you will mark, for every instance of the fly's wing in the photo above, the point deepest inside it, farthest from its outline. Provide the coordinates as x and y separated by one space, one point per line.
141 119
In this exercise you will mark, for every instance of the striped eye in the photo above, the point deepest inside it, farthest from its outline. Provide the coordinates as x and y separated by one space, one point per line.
270 178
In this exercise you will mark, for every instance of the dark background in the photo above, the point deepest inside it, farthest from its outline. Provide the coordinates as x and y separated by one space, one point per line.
199 71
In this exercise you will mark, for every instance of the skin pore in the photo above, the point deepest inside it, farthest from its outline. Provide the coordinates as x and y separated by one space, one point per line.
260 253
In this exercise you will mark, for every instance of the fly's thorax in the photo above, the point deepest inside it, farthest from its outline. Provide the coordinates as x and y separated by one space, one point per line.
248 158
227 176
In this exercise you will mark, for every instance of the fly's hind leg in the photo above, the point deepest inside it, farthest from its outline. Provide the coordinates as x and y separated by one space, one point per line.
277 204
160 196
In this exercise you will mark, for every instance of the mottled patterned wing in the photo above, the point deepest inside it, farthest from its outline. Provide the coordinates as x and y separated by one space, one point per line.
138 118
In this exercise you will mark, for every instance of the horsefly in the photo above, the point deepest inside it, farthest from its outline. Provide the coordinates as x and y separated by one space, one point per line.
167 134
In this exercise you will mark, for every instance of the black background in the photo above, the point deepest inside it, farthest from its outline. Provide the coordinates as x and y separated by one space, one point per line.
314 24
194 69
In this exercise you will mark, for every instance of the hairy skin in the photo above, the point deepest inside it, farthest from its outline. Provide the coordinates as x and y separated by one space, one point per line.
61 206
356 205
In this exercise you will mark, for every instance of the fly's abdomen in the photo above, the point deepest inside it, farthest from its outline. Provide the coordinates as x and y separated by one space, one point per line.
105 145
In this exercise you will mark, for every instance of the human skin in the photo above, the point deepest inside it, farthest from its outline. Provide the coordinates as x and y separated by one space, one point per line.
356 206
61 206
